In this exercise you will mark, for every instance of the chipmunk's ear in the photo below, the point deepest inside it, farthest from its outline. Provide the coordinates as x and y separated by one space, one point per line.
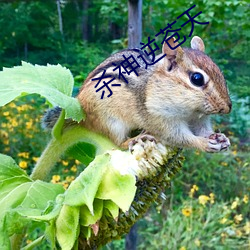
197 43
172 54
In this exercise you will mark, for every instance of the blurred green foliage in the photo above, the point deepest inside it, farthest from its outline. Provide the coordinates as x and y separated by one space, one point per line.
30 32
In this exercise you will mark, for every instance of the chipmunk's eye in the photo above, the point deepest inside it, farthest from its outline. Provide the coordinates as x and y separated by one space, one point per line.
197 79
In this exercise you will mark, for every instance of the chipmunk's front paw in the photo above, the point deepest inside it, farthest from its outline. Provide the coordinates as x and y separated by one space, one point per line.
218 142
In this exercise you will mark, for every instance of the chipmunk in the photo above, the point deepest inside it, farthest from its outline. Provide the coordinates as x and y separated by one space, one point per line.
171 100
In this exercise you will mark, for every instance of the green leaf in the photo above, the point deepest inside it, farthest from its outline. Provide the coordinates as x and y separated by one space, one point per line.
86 218
118 188
50 234
14 223
14 198
86 231
6 186
112 208
53 82
9 168
83 152
67 226
39 194
46 216
4 240
20 197
58 127
83 189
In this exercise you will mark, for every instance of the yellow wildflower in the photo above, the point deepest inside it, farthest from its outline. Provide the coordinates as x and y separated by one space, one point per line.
211 195
193 190
77 162
6 141
29 124
224 164
6 113
223 220
65 185
245 199
73 168
14 123
238 218
35 159
187 211
203 199
238 233
234 152
4 134
23 107
65 163
6 149
247 227
235 203
24 154
55 178
197 242
223 235
23 164
183 248
70 178
12 105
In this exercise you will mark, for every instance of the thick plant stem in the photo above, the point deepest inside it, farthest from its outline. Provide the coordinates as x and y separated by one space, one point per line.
57 147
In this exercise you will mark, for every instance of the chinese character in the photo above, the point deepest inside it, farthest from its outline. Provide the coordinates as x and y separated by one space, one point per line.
176 40
105 84
150 53
120 72
125 64
191 19
169 26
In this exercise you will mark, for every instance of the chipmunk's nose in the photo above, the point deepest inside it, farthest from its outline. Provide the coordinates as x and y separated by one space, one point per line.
227 108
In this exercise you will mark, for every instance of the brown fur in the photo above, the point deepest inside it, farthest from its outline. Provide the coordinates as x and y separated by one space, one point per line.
161 100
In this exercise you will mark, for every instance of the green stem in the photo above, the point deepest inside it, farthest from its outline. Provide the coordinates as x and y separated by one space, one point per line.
16 240
57 147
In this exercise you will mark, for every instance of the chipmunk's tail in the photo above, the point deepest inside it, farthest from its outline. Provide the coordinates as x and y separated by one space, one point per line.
50 117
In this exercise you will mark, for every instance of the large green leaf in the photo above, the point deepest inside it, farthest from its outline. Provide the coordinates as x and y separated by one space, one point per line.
53 82
67 226
40 193
83 189
118 188
20 197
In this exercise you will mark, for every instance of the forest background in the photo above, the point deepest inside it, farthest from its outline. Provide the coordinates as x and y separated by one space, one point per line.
207 205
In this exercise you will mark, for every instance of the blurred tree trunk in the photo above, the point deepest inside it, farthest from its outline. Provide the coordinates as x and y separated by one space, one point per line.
131 238
59 16
134 23
134 39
